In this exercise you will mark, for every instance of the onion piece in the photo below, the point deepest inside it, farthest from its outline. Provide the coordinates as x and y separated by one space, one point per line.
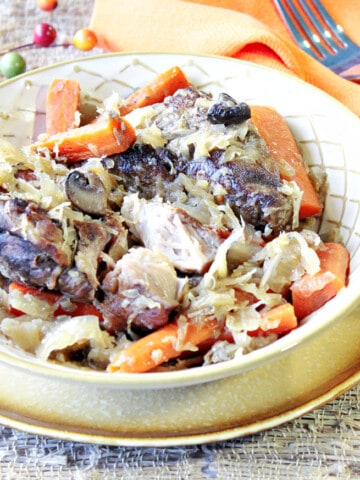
75 331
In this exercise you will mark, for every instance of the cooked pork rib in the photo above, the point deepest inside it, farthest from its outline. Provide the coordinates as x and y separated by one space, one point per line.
34 251
23 262
143 170
140 292
251 190
29 221
93 237
233 157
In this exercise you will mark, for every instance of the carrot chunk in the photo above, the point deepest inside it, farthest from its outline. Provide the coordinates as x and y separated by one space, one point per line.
282 317
96 139
282 145
165 84
62 105
311 292
160 346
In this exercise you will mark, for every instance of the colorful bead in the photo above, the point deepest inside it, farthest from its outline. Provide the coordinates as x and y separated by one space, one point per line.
47 5
84 39
44 34
12 64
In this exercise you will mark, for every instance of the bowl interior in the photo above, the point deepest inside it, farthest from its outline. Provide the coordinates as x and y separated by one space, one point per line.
325 130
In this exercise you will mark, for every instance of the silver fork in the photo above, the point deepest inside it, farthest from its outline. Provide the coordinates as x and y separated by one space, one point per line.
319 35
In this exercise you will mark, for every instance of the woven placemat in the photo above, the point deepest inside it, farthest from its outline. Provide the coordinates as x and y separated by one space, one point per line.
322 444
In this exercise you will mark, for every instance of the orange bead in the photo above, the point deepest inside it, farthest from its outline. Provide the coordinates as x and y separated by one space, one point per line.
47 5
84 39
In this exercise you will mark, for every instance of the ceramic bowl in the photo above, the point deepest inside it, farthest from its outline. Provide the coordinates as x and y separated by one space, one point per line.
298 372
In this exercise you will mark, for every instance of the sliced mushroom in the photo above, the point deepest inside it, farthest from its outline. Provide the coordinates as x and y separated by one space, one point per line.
86 192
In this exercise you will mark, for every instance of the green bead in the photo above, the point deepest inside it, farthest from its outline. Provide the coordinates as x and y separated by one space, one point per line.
12 64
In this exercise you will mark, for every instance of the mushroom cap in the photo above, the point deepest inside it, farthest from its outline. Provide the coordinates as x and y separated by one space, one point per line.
86 192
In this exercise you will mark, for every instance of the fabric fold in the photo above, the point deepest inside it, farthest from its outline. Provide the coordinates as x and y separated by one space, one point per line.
219 27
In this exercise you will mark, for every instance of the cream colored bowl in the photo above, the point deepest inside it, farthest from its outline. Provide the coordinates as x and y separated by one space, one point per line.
299 372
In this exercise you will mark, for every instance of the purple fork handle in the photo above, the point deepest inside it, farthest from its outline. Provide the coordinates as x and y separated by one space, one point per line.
352 73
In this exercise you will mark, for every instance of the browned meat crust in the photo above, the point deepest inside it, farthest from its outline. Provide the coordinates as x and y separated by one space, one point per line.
143 170
252 191
23 262
27 220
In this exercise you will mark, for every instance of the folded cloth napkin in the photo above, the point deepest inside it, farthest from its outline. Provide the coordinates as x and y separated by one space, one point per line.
246 29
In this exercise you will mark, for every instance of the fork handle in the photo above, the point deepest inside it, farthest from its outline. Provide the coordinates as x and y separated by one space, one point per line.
352 73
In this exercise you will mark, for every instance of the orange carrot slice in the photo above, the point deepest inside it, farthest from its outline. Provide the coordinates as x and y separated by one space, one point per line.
282 145
165 84
282 317
160 346
97 139
311 292
62 105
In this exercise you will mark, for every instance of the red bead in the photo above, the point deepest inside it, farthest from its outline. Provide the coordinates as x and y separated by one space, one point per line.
44 34
47 5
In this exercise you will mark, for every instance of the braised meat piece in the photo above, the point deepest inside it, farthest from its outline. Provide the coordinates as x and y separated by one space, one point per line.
182 113
100 245
34 249
143 169
23 262
251 190
140 292
93 237
189 245
224 149
75 284
29 221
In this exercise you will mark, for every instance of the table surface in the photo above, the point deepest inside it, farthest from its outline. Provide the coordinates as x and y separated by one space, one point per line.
321 444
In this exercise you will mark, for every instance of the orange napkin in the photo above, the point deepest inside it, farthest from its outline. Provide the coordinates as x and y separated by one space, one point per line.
246 29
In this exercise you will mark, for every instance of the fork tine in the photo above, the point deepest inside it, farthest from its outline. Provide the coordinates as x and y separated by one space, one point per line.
325 35
318 34
300 30
291 24
334 27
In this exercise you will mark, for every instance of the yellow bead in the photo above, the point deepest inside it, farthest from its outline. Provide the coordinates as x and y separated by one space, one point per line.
84 39
47 5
